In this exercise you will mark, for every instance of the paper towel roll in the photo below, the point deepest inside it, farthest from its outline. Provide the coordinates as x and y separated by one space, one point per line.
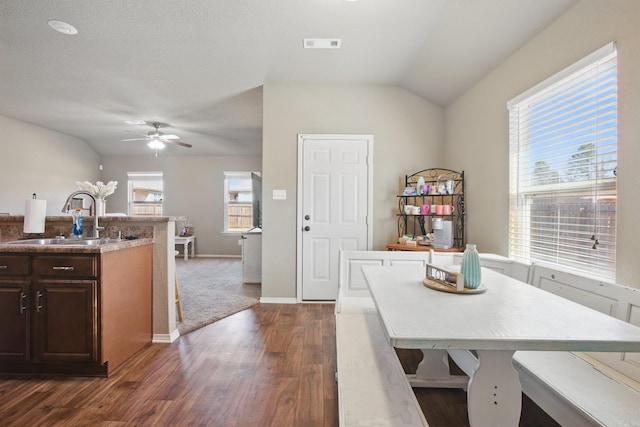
35 211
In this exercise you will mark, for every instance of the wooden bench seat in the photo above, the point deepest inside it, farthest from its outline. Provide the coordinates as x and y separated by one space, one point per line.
574 392
585 388
373 389
353 294
372 386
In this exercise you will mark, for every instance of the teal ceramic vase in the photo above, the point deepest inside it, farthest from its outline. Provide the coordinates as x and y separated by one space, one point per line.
470 267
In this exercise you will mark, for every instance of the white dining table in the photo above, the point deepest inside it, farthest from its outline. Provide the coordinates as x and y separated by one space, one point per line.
509 316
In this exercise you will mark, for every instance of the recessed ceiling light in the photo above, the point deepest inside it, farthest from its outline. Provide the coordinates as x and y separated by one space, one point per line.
62 27
322 43
135 122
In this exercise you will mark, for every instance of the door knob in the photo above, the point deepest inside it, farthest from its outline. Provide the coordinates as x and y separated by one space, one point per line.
307 228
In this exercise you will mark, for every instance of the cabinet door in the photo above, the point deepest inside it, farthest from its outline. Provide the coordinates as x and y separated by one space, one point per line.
14 319
66 312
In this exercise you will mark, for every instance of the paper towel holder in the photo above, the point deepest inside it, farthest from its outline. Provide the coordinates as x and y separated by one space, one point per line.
34 216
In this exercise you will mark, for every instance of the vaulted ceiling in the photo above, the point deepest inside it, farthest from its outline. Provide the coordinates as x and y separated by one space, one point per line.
199 65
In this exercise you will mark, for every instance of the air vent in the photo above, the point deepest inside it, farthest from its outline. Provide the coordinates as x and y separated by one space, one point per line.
322 43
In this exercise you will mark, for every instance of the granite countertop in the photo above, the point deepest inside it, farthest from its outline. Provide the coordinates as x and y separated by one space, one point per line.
68 248
108 218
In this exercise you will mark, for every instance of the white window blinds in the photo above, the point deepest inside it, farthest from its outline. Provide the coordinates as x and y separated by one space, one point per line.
563 159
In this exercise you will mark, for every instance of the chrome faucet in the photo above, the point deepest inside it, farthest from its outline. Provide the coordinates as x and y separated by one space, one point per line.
67 207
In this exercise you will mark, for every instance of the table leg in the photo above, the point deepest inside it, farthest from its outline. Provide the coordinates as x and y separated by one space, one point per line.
434 364
186 250
494 397
433 371
193 248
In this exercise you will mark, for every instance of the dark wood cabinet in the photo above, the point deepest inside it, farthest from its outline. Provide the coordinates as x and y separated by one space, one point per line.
65 308
15 321
52 307
66 323
14 318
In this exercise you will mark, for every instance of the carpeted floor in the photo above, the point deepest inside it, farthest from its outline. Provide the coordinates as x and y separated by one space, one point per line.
211 289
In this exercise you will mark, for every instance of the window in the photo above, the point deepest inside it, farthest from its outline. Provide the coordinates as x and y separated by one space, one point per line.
242 210
145 193
563 154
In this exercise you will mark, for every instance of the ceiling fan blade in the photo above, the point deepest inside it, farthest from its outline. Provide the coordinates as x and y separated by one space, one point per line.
169 137
137 133
173 141
134 139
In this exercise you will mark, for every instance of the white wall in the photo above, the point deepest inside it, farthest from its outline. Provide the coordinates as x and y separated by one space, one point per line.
37 160
193 187
408 137
477 123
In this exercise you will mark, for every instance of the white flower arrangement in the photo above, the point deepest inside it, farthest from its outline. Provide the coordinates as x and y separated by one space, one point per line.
99 189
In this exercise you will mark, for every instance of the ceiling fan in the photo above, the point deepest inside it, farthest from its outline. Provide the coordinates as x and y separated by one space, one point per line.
157 139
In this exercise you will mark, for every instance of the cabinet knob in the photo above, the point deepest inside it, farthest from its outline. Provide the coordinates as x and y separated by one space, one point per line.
307 228
307 217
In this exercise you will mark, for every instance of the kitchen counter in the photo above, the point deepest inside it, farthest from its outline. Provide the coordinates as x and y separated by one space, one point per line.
14 246
160 229
81 307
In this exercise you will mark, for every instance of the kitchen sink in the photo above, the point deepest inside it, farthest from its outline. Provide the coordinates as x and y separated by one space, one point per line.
67 242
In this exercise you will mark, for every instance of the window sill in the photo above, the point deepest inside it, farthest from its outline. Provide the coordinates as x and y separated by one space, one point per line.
232 233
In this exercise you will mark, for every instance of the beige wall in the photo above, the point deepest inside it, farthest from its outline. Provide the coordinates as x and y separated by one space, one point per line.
477 127
37 160
408 136
193 187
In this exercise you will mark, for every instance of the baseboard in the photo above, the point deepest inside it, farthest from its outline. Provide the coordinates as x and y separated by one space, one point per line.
181 256
165 338
277 300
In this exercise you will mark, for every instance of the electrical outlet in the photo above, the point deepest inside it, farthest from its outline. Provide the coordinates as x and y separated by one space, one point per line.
279 194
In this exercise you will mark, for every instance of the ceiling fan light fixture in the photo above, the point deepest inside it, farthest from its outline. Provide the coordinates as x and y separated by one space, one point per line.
156 144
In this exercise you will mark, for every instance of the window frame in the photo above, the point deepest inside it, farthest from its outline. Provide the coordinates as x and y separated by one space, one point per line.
150 176
598 186
226 202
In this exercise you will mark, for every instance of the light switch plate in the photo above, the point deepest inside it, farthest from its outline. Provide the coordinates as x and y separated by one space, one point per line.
279 194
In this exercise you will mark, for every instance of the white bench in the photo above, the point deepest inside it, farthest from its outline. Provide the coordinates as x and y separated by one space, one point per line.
353 293
579 389
372 386
498 263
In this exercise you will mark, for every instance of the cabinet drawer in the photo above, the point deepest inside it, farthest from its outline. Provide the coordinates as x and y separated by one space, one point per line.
14 265
66 266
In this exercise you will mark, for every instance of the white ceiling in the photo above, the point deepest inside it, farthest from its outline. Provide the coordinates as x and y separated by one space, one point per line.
199 65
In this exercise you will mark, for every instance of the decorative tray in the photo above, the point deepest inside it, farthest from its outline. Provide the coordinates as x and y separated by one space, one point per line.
444 280
448 288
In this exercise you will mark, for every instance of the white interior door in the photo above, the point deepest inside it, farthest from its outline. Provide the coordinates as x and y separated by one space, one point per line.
335 208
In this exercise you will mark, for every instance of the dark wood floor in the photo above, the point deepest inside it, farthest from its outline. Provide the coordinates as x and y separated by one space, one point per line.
272 365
